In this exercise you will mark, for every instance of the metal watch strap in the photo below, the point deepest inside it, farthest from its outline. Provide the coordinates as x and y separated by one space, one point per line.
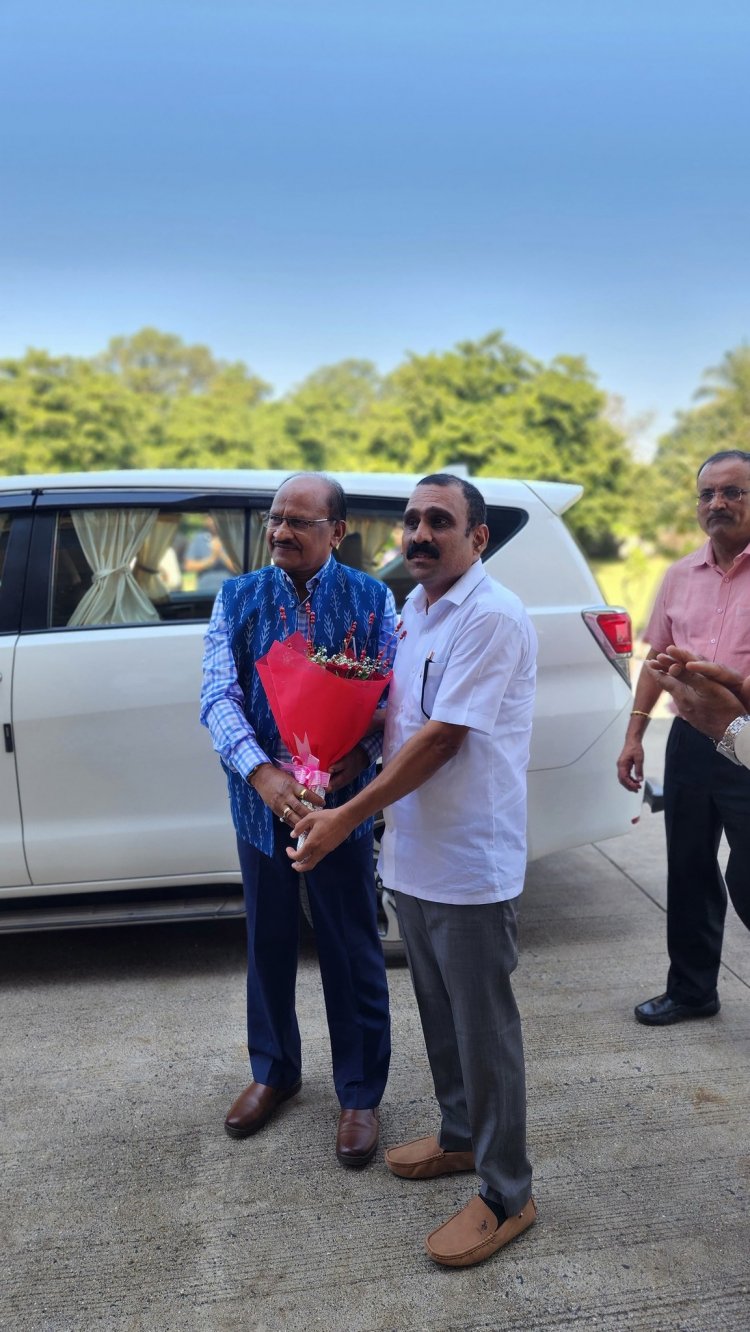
725 746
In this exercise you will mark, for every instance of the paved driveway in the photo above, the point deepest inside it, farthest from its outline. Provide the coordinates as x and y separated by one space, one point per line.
127 1207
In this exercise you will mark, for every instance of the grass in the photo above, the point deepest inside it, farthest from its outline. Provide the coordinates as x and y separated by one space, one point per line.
632 583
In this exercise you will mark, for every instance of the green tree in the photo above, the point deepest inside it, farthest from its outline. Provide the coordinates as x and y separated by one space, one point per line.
720 420
327 416
148 401
162 365
151 400
493 407
62 414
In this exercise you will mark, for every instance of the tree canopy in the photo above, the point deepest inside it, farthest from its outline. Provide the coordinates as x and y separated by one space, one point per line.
720 420
150 400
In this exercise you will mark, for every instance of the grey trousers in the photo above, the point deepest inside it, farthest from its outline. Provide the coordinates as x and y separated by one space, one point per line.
461 959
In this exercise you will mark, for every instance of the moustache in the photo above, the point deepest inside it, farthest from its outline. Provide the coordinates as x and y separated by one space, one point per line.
415 548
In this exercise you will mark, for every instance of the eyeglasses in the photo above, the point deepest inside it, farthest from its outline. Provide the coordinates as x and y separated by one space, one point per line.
274 520
729 493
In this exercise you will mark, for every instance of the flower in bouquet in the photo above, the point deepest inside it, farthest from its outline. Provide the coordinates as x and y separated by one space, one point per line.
346 663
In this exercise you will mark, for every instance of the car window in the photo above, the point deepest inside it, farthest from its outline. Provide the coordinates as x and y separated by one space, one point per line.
4 534
373 541
117 566
146 565
5 522
14 527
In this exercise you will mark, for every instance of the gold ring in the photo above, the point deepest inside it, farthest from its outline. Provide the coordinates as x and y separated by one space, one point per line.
286 810
304 793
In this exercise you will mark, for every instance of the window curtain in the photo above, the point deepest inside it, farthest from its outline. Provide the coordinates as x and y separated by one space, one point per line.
258 549
148 575
230 529
110 539
376 534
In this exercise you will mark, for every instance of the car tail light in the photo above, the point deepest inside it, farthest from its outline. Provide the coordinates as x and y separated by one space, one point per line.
613 631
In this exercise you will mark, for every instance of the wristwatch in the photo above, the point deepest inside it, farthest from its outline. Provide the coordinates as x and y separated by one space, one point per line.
725 746
252 772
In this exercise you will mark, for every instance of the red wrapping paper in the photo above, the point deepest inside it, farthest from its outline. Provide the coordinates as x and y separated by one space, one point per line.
310 704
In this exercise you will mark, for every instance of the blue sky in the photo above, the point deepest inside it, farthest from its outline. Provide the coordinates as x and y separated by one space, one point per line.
296 183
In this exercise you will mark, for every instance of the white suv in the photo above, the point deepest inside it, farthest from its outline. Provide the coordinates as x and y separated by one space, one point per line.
112 804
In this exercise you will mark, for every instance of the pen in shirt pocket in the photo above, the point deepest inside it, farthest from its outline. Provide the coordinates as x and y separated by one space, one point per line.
430 657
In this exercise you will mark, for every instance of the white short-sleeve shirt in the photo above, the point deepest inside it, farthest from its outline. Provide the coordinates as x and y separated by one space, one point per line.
469 659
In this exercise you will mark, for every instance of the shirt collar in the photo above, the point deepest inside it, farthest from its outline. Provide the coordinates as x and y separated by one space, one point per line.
457 593
311 583
704 555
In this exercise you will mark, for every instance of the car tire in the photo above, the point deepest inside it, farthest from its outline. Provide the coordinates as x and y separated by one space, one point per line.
388 929
304 902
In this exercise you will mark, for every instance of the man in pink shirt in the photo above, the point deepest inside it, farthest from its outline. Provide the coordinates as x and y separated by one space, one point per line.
704 605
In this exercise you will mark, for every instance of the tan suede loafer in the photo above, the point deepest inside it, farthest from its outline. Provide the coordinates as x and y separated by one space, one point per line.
424 1158
475 1233
254 1107
357 1137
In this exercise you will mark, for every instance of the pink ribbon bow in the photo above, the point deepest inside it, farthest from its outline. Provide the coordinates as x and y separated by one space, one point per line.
305 767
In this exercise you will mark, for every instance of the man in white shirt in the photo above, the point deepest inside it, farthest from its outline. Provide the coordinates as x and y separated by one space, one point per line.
453 788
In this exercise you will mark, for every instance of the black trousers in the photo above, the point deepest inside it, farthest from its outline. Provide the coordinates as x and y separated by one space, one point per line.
704 795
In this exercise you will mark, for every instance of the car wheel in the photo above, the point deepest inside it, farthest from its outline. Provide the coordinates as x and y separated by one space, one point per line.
388 928
304 902
390 935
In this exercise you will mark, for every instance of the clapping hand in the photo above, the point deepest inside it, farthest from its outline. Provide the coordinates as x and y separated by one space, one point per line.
707 695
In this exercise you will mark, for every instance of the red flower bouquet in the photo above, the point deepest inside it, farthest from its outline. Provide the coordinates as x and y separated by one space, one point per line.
322 704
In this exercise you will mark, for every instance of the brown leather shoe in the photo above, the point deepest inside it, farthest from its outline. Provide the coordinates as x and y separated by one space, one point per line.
475 1233
424 1158
254 1107
357 1137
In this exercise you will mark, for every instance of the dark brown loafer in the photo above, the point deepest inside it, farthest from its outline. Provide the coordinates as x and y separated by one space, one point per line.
254 1107
357 1137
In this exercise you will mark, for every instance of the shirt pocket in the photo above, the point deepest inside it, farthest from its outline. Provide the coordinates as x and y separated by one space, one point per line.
429 684
735 640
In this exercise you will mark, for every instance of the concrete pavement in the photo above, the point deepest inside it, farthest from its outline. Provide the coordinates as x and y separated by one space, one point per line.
126 1207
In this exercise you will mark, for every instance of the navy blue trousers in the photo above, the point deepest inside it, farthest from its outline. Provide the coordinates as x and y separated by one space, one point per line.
341 892
704 794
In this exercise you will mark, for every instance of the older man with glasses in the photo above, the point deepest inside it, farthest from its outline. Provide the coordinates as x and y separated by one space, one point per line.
306 524
704 606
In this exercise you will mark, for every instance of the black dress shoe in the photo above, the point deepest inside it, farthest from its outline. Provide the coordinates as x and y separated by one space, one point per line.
663 1010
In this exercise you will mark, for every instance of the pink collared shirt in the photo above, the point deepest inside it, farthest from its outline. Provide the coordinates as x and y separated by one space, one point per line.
703 609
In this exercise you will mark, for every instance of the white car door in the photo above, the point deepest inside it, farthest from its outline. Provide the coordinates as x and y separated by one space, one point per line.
118 780
14 527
